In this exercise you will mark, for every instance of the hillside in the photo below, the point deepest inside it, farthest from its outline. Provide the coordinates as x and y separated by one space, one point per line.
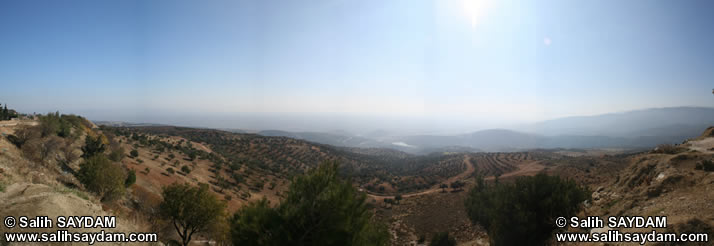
675 121
46 186
673 181
415 195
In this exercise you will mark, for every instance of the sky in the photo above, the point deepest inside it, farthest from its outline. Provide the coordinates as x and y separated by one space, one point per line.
447 64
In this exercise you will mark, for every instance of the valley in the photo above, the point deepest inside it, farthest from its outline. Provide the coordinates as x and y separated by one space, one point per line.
416 196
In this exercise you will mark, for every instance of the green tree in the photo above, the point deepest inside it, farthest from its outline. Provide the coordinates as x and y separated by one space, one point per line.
190 209
50 124
320 209
3 113
92 146
531 203
442 239
130 178
134 153
185 169
101 176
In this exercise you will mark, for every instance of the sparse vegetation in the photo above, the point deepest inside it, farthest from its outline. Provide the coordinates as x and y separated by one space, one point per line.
24 134
668 149
39 149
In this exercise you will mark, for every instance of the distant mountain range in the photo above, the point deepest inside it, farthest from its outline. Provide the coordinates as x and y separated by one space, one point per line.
635 129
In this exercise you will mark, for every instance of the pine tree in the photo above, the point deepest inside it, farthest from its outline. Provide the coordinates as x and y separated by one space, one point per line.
320 209
6 113
3 113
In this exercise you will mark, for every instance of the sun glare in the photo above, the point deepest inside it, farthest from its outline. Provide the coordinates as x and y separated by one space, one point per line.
475 10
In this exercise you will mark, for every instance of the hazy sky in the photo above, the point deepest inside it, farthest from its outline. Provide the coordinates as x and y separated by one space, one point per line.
505 61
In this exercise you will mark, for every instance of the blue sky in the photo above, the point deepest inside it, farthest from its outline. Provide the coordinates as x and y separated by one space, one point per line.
467 61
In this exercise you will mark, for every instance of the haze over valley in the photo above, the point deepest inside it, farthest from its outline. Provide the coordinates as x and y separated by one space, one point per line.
357 122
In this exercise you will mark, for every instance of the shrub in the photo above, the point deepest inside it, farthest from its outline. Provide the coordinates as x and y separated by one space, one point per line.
68 152
667 149
24 134
458 185
532 203
92 146
319 209
170 170
130 178
101 176
117 154
706 165
442 239
185 169
39 149
134 153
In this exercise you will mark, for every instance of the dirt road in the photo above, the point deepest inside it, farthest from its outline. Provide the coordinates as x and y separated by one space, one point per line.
524 169
469 170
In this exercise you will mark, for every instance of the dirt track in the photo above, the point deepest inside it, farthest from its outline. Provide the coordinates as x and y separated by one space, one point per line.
469 170
524 169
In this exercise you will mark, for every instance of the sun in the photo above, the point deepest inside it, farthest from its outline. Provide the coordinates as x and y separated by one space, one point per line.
475 10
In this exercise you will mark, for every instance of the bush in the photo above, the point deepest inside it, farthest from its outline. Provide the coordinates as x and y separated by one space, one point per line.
39 149
92 146
101 176
319 209
667 149
185 169
53 124
442 239
117 154
706 165
170 170
532 203
24 134
134 153
130 178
